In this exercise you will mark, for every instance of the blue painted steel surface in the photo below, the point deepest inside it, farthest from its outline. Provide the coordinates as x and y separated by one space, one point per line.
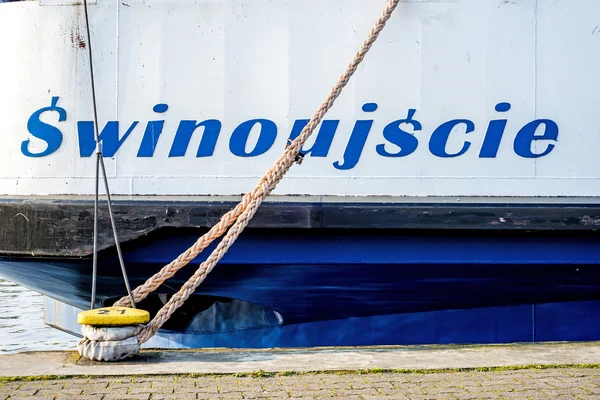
373 247
358 289
489 325
576 321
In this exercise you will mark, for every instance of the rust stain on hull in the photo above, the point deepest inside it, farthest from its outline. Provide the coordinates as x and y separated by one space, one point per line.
77 40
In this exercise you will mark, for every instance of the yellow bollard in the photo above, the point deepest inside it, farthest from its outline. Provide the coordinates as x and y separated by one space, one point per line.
113 316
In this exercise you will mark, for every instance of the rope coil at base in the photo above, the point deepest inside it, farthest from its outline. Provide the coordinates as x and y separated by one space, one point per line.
115 343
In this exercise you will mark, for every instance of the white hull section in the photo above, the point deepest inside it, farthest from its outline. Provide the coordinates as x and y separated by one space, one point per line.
200 97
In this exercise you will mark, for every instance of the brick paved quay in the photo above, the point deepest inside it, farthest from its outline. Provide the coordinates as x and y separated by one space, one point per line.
559 383
517 371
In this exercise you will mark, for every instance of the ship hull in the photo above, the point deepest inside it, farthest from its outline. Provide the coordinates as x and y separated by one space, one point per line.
354 287
451 194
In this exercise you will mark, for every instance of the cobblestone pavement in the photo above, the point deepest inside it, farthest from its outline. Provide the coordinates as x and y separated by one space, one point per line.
564 384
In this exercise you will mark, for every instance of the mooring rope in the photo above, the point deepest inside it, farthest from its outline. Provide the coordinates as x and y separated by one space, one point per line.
101 168
169 270
240 216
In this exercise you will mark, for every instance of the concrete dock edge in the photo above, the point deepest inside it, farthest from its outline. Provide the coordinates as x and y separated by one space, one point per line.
228 361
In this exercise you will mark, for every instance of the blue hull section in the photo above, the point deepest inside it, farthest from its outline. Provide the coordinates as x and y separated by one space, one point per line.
362 289
577 321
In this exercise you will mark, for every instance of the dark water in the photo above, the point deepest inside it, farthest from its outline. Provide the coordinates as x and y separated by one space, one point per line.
22 322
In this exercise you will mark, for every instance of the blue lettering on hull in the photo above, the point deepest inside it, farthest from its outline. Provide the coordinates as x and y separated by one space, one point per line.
401 137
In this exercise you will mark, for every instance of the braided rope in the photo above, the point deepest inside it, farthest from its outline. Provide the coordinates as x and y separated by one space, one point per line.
240 216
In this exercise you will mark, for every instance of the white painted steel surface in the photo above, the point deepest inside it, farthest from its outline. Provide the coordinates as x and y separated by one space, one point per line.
240 60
